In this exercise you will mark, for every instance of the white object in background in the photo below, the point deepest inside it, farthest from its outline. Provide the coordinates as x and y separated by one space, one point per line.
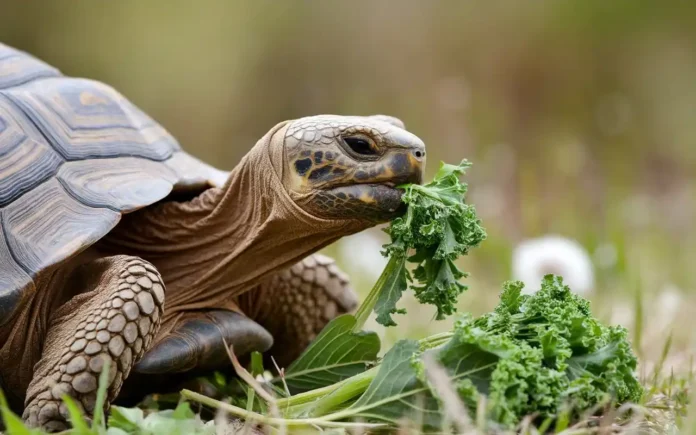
669 303
535 258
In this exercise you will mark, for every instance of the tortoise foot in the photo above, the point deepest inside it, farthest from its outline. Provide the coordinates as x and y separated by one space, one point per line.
116 324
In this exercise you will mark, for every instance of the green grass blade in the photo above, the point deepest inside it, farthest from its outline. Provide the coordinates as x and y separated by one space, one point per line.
13 424
638 322
98 422
77 418
125 419
661 362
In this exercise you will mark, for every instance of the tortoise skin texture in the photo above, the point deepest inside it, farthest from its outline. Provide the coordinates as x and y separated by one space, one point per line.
116 326
119 248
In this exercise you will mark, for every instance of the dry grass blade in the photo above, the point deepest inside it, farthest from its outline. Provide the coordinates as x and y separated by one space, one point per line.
526 427
481 420
281 373
453 406
258 388
248 378
657 370
608 416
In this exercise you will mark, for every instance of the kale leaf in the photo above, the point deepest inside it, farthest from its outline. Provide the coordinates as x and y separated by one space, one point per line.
437 228
537 355
552 354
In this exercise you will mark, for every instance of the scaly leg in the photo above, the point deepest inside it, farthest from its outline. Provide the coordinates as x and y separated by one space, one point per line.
115 321
296 304
293 305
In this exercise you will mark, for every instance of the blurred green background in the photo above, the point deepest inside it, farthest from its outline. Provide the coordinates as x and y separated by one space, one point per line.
577 115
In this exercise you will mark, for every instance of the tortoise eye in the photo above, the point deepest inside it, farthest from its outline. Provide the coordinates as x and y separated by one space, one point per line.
360 145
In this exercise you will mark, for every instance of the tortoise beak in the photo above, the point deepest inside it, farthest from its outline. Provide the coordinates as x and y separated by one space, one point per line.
412 172
407 159
406 165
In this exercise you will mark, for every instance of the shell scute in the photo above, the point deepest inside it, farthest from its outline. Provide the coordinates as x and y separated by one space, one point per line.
75 155
14 280
17 67
26 157
86 119
47 225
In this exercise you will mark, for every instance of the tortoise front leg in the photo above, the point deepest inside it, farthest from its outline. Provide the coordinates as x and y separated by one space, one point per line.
296 304
115 321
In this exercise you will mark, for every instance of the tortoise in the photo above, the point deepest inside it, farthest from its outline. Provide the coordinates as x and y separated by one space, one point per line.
116 245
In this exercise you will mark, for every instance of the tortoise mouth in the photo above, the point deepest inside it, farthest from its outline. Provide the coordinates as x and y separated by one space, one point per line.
391 183
372 202
388 195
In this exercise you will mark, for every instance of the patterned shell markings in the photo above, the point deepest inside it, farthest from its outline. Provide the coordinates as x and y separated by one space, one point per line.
74 156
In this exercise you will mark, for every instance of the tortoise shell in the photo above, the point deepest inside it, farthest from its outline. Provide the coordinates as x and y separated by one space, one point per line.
74 156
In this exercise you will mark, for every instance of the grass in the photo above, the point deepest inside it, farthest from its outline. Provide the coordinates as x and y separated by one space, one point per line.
663 411
665 370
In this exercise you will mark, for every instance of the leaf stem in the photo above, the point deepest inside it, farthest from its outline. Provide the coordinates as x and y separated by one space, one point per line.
239 412
366 307
355 386
436 340
308 396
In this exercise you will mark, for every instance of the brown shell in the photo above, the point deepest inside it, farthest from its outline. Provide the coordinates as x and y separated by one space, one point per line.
74 156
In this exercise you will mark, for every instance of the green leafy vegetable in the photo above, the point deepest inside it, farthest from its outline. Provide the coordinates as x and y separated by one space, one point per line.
542 354
336 354
438 227
391 285
549 353
560 354
391 394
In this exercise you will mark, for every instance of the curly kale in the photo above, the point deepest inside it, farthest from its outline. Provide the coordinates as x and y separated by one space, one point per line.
437 228
548 353
539 355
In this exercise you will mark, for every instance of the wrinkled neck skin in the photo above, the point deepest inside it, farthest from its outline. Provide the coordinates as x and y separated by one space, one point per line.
225 241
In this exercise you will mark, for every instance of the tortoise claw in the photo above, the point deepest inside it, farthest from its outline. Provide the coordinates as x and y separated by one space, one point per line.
198 343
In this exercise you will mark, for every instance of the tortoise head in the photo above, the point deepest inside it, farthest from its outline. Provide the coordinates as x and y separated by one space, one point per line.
348 167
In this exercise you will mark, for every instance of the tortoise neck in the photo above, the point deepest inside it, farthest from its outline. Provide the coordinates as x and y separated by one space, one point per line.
251 229
225 241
